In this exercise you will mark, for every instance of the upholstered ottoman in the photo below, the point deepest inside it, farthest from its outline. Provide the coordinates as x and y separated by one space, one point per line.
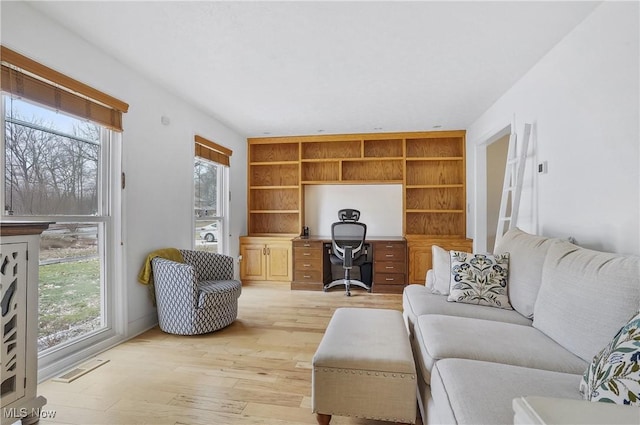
364 368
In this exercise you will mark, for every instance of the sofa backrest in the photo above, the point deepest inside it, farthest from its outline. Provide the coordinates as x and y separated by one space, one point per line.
585 297
527 254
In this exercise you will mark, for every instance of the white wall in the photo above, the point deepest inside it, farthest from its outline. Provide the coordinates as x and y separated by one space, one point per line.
496 165
158 159
380 207
582 98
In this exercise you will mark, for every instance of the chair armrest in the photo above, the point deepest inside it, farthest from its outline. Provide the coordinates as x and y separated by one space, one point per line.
209 265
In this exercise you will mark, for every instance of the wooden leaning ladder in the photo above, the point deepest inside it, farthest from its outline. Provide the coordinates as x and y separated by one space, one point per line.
512 187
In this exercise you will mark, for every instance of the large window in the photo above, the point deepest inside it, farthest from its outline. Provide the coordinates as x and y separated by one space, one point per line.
60 158
56 169
211 195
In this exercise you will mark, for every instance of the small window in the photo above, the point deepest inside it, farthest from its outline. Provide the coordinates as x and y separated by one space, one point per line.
211 194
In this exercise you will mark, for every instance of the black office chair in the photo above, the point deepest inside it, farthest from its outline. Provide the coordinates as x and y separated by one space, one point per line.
348 249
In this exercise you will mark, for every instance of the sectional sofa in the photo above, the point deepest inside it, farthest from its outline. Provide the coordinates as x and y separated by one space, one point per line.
565 305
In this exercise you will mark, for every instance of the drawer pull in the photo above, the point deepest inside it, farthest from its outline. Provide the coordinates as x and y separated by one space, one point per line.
306 253
306 265
390 267
389 278
307 245
389 246
389 255
307 276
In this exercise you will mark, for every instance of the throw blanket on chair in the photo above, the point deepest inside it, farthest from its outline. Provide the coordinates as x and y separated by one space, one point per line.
146 273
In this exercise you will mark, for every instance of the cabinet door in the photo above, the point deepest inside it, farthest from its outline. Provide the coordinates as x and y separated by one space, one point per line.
419 262
253 266
279 262
420 255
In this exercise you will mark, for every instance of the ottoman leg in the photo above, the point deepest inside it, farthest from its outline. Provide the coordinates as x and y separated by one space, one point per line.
323 419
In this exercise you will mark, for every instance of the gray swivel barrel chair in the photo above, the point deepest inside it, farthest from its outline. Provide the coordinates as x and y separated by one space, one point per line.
348 249
198 296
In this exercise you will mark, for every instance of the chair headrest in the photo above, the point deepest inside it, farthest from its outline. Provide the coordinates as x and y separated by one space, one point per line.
349 214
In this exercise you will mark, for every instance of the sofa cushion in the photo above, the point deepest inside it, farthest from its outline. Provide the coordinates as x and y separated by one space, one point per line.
527 254
479 279
614 374
586 297
417 300
445 337
441 266
475 392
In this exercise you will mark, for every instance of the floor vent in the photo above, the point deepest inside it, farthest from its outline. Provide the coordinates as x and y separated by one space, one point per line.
78 371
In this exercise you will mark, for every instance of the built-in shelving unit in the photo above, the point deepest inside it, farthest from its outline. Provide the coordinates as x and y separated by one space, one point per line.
430 166
274 188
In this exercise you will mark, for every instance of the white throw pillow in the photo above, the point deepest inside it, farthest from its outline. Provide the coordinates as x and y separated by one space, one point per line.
479 279
440 262
614 374
430 280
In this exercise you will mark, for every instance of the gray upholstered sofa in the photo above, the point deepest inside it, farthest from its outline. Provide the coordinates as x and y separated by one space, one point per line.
472 360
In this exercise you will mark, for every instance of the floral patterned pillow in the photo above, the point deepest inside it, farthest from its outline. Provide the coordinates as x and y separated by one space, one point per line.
479 279
614 374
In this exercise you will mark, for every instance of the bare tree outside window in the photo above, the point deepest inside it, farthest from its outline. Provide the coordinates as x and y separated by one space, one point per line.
52 167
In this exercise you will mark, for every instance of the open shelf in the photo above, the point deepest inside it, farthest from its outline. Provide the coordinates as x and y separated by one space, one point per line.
331 150
282 199
272 223
274 152
435 147
383 148
435 198
327 171
436 223
435 172
274 175
372 170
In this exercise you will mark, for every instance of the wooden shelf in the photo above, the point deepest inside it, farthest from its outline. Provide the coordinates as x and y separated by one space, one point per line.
274 211
332 150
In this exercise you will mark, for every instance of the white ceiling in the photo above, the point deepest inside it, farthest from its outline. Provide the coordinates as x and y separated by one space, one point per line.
285 68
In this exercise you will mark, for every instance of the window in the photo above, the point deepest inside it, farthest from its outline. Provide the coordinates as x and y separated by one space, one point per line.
61 164
211 193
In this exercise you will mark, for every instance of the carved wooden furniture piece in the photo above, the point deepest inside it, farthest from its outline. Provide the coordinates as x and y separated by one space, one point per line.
19 252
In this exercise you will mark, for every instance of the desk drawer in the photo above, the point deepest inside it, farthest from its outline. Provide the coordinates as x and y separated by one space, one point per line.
307 263
308 276
382 253
305 253
389 279
389 267
307 244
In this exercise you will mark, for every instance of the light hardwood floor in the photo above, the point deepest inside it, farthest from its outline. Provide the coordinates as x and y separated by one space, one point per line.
256 371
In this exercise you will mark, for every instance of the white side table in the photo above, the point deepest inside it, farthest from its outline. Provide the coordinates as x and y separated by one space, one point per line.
547 410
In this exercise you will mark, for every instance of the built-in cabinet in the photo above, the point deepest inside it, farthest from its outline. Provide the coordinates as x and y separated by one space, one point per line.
19 253
430 166
420 258
265 259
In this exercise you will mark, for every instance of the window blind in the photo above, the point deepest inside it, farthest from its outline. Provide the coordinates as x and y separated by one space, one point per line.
212 151
28 79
